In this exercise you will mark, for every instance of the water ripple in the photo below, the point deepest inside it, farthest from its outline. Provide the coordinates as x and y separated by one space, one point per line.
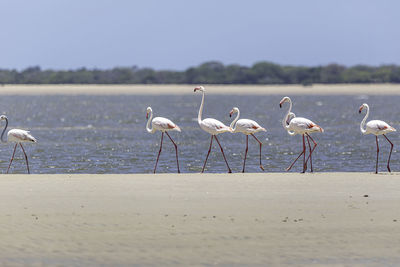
106 134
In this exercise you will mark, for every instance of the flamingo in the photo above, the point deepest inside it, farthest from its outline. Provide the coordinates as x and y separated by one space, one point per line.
298 125
247 127
164 125
18 136
211 126
376 127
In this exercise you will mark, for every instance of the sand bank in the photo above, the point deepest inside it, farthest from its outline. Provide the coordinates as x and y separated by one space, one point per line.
323 89
192 219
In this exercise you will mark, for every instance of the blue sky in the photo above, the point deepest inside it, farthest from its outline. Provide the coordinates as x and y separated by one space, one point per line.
176 34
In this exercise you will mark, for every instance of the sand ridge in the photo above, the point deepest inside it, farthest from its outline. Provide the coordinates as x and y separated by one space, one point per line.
260 219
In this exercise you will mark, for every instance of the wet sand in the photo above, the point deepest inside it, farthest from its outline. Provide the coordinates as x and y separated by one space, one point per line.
259 219
140 89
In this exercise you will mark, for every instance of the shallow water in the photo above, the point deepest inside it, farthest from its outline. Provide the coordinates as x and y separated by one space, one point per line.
106 134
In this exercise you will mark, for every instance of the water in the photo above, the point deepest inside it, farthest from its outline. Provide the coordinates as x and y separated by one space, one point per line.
106 134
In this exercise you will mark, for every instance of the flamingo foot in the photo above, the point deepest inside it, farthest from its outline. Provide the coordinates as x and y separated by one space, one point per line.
262 168
304 168
229 171
388 168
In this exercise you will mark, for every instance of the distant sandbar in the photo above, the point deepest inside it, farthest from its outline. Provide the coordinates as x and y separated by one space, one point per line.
157 89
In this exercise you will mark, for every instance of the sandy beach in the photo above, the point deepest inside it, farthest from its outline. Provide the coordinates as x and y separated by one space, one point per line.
258 219
143 89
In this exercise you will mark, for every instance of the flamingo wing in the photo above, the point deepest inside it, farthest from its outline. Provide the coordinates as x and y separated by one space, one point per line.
215 125
164 124
378 126
18 135
300 124
249 125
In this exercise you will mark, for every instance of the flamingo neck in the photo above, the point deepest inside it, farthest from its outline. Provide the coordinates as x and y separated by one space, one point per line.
362 124
150 130
234 121
201 108
2 134
290 116
284 124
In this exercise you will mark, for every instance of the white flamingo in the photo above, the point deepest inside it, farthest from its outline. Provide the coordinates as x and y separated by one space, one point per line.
376 127
211 126
247 127
298 125
18 136
164 125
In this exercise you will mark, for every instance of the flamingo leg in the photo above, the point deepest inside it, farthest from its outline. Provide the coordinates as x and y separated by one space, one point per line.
176 151
26 158
309 156
12 157
159 152
311 150
390 154
229 169
377 154
261 166
302 152
245 152
209 150
304 156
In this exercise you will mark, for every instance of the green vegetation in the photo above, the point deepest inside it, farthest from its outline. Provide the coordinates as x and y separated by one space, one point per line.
209 73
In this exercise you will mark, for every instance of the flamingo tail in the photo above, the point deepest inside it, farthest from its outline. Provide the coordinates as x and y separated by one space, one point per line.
176 128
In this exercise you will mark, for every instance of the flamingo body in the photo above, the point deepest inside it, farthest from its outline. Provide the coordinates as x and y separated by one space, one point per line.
378 127
163 124
301 125
19 136
247 127
213 126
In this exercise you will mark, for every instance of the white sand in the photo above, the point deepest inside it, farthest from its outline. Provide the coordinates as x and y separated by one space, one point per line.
192 219
335 89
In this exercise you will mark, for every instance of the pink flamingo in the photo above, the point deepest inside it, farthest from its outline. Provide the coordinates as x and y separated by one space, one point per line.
247 127
164 125
17 136
211 126
376 127
297 125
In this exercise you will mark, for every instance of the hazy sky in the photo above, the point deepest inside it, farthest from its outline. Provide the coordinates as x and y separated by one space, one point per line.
176 34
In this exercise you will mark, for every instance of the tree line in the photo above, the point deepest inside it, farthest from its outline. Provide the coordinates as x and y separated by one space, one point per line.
209 73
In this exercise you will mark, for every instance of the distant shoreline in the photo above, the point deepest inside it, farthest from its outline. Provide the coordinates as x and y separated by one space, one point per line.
179 89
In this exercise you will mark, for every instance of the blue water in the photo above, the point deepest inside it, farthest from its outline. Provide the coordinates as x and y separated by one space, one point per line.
106 134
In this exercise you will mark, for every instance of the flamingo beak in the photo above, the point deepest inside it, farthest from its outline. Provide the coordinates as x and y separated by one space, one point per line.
230 113
361 108
280 104
195 89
